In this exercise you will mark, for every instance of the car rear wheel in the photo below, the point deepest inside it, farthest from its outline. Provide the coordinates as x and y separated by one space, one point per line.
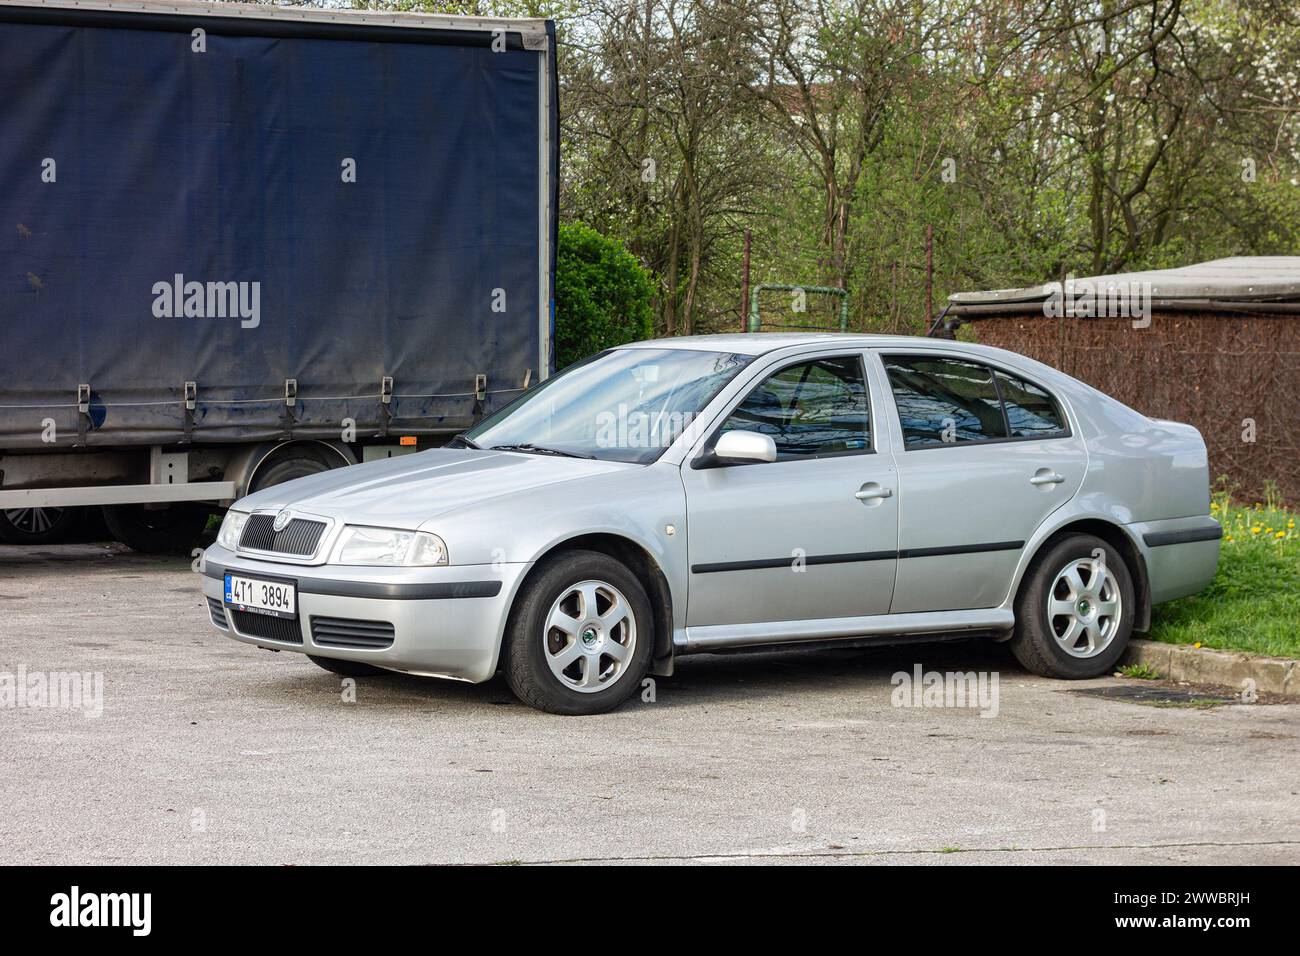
580 635
1074 613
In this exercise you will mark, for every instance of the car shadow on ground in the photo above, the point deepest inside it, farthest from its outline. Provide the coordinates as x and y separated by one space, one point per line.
703 679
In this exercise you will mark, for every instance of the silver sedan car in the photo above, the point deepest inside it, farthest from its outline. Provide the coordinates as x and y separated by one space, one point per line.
700 494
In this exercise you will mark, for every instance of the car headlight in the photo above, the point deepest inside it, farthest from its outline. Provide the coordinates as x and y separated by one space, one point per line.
389 547
232 526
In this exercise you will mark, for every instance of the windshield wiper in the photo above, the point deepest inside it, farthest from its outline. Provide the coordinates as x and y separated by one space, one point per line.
539 450
465 442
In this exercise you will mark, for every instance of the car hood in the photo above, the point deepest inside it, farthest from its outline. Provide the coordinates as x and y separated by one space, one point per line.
406 491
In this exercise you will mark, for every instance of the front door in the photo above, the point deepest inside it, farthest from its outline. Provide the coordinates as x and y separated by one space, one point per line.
810 536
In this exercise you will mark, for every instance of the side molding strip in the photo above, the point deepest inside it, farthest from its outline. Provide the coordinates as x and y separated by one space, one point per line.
1159 539
961 549
764 563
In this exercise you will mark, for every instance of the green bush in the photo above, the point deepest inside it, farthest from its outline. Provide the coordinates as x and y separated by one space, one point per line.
602 295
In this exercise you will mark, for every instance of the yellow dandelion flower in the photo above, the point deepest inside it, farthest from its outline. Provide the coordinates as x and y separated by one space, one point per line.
1280 534
1255 529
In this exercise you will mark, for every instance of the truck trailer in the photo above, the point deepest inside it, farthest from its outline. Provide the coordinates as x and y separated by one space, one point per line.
243 244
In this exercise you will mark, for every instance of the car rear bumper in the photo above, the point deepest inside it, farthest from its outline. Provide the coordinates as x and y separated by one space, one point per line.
443 622
1182 554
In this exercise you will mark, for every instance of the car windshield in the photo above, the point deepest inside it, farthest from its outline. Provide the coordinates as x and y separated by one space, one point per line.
624 405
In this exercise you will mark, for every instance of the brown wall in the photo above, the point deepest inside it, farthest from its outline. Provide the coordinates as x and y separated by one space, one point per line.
1210 370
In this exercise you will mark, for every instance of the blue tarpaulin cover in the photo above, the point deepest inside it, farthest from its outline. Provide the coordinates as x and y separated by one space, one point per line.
169 215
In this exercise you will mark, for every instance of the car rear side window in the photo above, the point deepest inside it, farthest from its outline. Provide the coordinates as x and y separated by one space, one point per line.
943 401
811 409
1031 412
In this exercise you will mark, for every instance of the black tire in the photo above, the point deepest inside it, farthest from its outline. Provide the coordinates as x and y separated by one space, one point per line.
174 529
1034 641
39 525
295 461
346 668
526 639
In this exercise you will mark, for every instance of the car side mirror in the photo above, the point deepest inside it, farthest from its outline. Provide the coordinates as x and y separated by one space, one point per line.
742 446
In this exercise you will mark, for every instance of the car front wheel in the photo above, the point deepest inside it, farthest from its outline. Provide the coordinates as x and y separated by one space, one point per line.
580 635
1074 613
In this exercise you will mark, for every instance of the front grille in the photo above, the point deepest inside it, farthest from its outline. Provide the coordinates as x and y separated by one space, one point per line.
264 626
299 537
218 612
345 632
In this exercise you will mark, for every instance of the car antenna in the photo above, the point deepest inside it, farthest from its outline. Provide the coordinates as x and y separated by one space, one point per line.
930 333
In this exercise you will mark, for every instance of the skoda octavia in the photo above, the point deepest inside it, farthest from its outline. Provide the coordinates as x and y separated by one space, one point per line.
699 494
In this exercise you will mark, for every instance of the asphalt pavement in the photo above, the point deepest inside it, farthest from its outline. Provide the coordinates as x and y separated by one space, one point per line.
198 749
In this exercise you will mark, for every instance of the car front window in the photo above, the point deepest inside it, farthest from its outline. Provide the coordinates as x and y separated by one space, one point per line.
625 405
811 409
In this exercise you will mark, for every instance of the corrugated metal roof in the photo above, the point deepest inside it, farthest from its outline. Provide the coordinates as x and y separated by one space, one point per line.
1236 280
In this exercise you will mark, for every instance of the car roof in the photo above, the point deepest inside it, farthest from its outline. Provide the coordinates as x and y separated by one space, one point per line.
761 343
767 343
764 343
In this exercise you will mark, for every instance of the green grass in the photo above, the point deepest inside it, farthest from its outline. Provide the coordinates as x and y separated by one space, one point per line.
1253 604
1139 672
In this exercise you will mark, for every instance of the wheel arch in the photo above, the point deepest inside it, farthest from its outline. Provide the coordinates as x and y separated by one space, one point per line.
642 563
245 467
1118 538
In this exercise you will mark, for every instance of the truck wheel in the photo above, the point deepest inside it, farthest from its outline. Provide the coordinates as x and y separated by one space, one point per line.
346 668
38 525
1074 614
295 461
171 530
580 636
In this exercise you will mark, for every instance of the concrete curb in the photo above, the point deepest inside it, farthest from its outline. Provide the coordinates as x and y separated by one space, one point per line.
1202 665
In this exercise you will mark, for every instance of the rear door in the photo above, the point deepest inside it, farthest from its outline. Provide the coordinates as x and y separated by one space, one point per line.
984 455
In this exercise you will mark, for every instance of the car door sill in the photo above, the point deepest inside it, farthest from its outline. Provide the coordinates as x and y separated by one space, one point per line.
713 636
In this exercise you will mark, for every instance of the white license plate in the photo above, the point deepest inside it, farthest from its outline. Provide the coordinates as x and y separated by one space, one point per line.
274 598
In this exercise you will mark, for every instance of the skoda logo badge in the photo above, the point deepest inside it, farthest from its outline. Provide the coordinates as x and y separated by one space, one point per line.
282 520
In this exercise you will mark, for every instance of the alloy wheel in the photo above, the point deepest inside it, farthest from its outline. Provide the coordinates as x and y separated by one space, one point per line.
1084 608
590 636
34 520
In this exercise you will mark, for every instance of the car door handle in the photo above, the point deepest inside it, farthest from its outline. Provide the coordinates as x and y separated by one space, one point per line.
1045 477
870 492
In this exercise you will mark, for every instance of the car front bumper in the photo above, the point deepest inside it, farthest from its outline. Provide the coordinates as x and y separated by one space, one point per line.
441 622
